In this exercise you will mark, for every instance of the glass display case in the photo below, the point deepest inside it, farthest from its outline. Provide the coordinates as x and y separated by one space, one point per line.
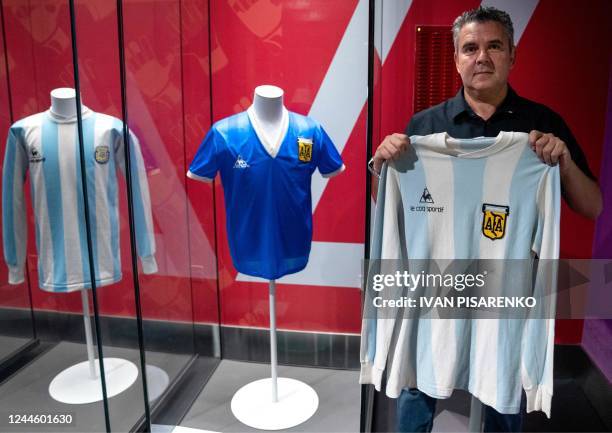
108 204
133 190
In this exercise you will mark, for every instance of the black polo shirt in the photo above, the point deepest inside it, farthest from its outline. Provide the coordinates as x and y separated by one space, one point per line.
514 114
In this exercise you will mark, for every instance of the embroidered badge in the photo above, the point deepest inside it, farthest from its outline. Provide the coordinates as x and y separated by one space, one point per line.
494 220
102 154
304 149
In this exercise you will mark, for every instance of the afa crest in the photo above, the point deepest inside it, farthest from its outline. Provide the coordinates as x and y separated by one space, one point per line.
102 154
494 220
304 149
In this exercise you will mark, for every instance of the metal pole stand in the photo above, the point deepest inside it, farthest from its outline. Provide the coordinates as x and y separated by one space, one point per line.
289 402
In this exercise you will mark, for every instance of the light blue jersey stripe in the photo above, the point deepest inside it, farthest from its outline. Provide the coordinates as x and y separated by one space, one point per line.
53 192
114 206
37 235
9 242
143 242
468 188
89 173
417 242
524 184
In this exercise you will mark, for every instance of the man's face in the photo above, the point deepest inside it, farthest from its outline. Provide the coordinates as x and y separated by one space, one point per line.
484 56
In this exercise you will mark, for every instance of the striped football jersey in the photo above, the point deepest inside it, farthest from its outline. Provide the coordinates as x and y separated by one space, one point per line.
480 198
47 146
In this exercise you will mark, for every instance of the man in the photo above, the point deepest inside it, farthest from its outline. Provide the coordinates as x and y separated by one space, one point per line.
484 55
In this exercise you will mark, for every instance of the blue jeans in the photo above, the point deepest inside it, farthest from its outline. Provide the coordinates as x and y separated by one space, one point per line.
415 413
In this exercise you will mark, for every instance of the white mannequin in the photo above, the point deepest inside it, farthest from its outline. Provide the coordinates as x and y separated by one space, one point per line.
63 102
269 117
80 383
292 402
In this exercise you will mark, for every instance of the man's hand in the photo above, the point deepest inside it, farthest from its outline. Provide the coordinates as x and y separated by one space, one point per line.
581 192
391 148
550 149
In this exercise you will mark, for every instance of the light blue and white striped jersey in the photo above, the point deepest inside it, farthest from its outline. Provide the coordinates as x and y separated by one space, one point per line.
494 359
46 145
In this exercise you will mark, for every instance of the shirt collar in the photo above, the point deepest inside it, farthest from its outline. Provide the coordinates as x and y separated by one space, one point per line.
459 106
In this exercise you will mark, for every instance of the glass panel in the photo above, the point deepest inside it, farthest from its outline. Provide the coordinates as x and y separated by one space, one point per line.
168 107
316 52
43 150
121 160
416 70
16 325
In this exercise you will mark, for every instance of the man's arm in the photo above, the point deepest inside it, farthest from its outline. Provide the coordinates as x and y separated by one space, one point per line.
391 148
581 192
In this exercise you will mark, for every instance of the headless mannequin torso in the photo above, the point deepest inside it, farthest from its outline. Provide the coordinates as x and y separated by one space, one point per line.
63 103
269 117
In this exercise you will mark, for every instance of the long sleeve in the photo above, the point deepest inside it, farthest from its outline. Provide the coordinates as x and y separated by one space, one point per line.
537 351
14 230
143 221
377 328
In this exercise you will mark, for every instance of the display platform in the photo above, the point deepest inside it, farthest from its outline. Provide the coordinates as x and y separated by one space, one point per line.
28 390
338 391
10 346
160 428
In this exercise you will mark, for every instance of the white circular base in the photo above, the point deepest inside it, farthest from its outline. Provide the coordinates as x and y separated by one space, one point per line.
75 385
252 404
157 381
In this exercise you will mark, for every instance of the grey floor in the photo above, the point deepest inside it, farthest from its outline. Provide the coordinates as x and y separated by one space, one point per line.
11 345
338 391
26 392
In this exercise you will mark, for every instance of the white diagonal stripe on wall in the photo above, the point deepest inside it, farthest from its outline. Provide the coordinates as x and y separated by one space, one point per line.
393 15
519 10
344 89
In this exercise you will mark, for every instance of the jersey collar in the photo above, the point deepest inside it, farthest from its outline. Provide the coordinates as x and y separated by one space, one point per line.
456 146
272 146
460 148
85 113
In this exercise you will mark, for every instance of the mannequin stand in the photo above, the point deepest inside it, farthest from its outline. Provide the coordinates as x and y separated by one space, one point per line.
81 383
290 401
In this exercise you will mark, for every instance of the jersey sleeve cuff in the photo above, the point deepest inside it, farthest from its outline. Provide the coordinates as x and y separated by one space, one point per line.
369 374
149 265
539 398
335 172
15 275
194 176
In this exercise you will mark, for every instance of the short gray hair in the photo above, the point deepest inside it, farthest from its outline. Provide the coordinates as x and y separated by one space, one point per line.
482 14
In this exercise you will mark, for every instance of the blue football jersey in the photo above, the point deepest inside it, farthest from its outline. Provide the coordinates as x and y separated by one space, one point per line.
267 188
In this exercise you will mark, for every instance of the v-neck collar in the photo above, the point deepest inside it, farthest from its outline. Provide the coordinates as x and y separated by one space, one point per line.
271 148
